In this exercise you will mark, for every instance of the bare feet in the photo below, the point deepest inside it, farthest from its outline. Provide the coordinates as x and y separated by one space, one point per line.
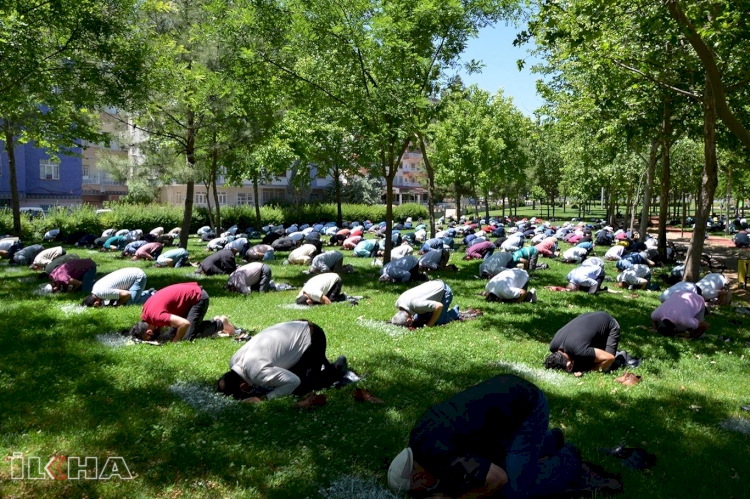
228 328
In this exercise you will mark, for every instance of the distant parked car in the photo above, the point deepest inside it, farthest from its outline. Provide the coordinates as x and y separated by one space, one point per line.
33 212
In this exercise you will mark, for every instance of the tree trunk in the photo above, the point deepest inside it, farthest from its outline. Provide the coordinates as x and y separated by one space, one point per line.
258 220
214 179
729 197
337 191
647 191
458 200
430 183
190 191
15 201
665 178
208 206
709 181
388 211
487 206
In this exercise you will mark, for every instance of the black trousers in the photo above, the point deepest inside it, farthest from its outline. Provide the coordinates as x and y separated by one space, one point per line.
313 368
198 327
335 293
265 280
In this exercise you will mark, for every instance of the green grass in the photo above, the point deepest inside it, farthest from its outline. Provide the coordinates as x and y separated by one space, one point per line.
64 393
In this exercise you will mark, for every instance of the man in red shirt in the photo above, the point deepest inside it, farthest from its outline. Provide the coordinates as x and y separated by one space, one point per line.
182 308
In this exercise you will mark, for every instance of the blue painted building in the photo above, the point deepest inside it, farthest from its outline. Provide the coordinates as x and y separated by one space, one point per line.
42 181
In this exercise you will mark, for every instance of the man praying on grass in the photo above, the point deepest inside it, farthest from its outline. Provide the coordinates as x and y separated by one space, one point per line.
587 343
491 440
285 359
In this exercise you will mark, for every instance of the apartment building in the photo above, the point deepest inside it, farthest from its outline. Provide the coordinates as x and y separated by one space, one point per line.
409 180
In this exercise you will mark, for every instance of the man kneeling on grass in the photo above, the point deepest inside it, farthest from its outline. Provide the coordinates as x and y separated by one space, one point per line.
322 289
681 315
121 287
427 304
284 359
182 307
587 343
491 440
509 286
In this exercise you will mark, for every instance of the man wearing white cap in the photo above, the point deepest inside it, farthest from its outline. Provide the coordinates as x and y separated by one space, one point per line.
490 438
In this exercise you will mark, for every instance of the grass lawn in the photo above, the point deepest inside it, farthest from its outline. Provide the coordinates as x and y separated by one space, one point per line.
63 393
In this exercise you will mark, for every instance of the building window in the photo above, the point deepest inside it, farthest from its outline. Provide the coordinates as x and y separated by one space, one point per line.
178 197
222 198
244 198
85 173
49 170
200 198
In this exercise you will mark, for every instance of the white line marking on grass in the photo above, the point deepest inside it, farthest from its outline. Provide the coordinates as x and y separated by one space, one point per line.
383 327
350 487
201 397
738 425
71 309
114 340
519 368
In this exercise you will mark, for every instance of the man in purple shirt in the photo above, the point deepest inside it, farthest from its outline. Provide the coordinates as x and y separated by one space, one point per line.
681 315
74 275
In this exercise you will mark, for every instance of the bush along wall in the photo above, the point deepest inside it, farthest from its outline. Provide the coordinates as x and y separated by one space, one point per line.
146 217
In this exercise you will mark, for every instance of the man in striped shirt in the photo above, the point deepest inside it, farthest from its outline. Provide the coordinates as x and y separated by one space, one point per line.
121 287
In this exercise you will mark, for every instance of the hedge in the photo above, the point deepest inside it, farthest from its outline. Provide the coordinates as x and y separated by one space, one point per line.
146 217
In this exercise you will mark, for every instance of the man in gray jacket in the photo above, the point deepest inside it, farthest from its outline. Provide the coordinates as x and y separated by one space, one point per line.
285 359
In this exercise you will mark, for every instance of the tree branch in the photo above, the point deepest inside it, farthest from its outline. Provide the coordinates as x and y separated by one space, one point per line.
708 60
654 80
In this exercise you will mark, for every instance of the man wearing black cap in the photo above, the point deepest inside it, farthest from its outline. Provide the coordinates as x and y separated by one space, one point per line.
492 438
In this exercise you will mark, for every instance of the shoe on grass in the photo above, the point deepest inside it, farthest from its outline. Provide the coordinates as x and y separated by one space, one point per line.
312 400
361 395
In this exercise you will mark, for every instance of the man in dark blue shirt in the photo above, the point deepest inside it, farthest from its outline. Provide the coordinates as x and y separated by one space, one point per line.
491 436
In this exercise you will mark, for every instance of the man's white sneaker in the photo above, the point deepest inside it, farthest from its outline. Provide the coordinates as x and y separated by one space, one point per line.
533 298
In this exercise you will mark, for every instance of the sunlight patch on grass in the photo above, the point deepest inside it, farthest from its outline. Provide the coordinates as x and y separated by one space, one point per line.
351 487
71 309
524 370
738 425
294 306
114 340
383 327
201 397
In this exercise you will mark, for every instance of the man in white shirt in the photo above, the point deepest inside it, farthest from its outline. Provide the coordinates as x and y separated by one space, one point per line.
637 276
284 359
586 277
302 255
509 286
427 304
680 286
513 243
614 253
574 255
121 287
322 289
714 287
43 258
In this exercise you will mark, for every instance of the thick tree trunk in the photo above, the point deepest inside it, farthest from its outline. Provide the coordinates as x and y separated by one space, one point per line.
709 181
258 220
15 201
190 191
388 214
430 183
647 191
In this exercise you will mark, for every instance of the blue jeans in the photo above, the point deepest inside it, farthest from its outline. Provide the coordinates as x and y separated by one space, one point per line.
529 477
448 314
136 290
268 255
87 281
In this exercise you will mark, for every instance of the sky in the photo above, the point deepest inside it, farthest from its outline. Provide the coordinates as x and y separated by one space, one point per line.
494 47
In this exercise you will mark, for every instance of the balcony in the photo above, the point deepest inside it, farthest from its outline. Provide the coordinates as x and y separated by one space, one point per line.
412 155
